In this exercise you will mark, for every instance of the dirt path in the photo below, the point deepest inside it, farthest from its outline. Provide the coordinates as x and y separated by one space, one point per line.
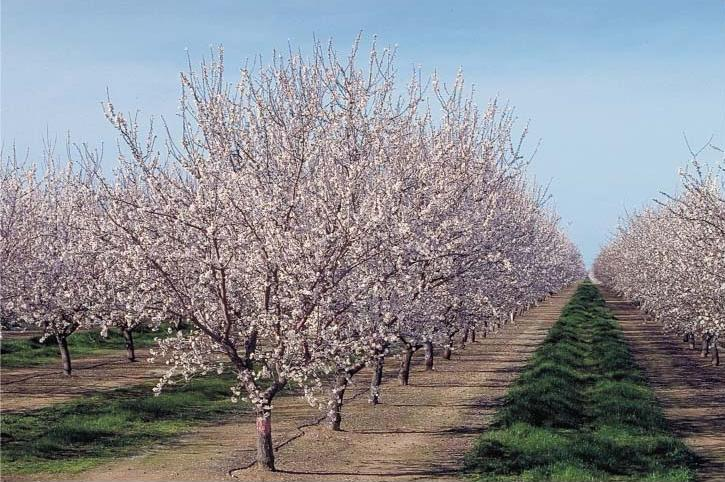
420 432
691 391
35 387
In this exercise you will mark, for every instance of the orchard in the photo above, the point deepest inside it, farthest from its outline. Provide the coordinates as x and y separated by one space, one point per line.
320 218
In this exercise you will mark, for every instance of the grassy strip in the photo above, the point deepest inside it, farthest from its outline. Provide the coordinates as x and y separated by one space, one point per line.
75 436
581 411
31 352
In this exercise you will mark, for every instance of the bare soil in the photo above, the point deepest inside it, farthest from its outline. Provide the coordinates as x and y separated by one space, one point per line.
690 390
36 387
419 432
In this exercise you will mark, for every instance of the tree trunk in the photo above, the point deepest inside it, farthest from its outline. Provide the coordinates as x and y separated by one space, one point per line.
265 449
404 372
691 340
447 350
334 406
376 381
465 338
130 351
428 355
715 352
64 353
705 345
473 335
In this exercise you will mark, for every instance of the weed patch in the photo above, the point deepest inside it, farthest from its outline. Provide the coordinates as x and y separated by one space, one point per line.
75 436
580 411
32 352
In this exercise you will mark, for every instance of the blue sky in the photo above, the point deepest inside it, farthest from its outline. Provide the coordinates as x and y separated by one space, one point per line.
609 86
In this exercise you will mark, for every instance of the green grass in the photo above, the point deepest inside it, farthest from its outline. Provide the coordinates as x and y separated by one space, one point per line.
31 352
75 436
581 411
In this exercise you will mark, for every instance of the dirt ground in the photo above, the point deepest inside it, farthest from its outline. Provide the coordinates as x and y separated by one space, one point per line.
419 432
35 387
691 391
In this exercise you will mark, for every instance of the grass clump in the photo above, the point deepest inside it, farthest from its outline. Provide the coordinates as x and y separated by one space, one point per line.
75 436
581 411
32 352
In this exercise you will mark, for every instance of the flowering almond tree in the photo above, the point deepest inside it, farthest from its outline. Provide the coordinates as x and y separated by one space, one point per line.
128 295
307 219
441 239
18 213
47 254
254 223
420 198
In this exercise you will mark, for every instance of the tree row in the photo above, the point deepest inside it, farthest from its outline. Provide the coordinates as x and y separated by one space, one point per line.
307 220
670 258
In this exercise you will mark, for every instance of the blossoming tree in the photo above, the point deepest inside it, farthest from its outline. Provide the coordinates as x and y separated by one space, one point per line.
48 255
